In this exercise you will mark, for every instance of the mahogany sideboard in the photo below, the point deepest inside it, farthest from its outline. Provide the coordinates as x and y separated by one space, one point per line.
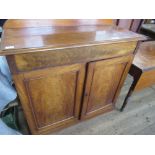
65 71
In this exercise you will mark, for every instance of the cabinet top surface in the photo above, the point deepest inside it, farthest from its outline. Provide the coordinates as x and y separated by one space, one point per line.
145 57
29 39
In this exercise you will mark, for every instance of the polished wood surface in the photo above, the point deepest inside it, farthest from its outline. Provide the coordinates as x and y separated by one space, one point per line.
102 84
65 74
28 62
51 97
32 39
146 79
142 69
18 23
145 57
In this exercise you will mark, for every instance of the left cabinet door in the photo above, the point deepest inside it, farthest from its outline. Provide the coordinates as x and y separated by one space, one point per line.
51 98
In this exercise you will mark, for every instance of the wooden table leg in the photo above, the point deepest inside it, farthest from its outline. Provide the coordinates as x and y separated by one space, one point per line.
132 88
127 97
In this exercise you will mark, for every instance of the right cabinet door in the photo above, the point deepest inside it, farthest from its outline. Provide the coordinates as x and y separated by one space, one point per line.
104 81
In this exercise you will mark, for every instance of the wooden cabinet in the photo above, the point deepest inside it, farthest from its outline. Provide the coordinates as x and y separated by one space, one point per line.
51 97
65 74
104 79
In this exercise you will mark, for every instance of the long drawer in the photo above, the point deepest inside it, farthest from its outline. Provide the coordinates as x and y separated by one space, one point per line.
43 59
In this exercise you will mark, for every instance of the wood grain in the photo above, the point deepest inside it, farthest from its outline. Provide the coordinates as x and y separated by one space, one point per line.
67 71
51 97
102 84
146 80
19 23
142 69
42 38
32 61
145 57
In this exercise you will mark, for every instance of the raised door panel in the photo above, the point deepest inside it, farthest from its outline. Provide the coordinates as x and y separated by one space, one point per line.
51 97
103 83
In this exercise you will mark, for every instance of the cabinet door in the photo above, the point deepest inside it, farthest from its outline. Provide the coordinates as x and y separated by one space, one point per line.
51 98
103 84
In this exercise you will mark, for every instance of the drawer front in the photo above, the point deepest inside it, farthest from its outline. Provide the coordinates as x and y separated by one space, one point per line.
32 61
